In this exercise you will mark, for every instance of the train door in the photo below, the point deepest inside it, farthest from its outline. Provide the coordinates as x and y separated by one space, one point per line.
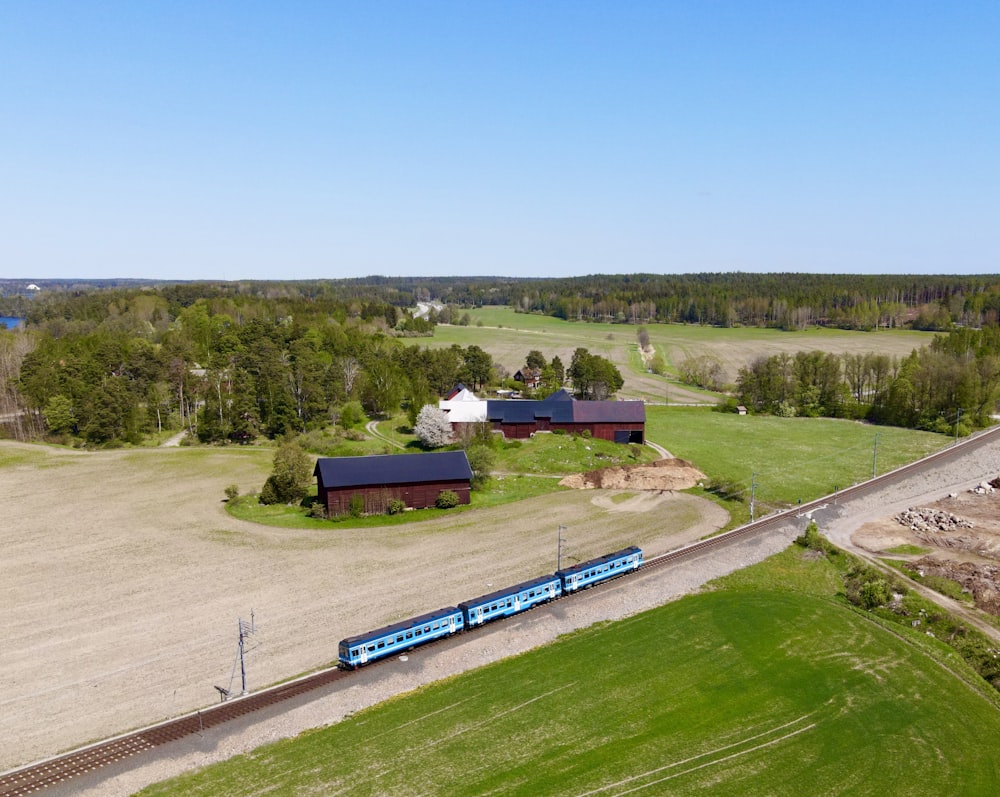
517 602
364 654
451 623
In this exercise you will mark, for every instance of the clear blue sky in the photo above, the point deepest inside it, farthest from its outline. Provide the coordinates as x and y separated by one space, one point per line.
231 140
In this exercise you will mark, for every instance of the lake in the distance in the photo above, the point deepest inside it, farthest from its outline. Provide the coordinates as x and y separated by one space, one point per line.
10 321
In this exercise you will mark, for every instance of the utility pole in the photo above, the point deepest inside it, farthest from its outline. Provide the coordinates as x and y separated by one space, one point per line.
875 457
559 548
753 490
957 421
246 629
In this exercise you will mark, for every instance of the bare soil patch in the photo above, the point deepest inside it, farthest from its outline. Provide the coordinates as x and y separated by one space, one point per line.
962 534
664 474
122 580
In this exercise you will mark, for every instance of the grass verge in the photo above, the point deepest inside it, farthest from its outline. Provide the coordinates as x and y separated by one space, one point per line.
765 685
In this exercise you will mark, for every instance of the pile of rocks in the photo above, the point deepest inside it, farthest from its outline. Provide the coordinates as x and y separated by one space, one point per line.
931 521
984 488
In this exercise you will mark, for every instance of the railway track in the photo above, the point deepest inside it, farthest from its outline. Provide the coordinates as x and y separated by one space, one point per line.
59 769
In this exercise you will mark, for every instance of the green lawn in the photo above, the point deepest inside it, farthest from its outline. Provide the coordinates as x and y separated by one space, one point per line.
558 455
766 685
792 458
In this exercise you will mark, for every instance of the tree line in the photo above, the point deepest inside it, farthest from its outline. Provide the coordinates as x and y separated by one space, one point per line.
951 385
785 300
109 367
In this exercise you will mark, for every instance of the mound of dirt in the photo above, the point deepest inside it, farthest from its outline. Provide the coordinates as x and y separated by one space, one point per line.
664 474
981 580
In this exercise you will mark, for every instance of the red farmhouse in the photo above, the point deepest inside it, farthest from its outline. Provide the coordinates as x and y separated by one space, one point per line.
619 421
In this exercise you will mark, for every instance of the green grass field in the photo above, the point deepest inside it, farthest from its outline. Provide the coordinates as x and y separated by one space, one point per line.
766 685
793 458
509 336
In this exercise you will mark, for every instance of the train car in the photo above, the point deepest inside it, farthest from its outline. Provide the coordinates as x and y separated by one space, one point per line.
356 651
604 567
510 600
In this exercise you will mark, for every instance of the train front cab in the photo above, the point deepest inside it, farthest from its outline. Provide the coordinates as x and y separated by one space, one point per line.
359 650
603 568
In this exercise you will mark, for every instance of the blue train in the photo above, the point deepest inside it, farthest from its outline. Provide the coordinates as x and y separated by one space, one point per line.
356 651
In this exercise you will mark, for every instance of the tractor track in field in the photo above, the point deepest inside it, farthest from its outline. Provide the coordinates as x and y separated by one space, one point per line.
130 748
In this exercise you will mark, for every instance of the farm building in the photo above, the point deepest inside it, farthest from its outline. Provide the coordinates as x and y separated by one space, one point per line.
619 421
415 479
531 377
463 407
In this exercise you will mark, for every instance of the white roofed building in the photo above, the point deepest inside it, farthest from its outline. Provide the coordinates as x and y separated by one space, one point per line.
464 406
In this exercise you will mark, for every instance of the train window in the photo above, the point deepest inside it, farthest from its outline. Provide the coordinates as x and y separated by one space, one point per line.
409 635
381 645
427 629
399 638
531 594
371 648
437 626
509 602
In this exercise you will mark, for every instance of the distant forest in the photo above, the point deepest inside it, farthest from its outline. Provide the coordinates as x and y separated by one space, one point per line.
787 301
105 363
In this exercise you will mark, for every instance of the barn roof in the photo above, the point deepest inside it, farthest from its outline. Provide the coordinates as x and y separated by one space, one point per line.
560 395
561 407
609 412
392 469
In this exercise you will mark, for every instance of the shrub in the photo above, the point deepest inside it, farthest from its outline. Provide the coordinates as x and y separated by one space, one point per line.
269 494
875 593
291 478
481 461
356 506
728 404
396 507
232 492
317 510
812 539
352 414
586 434
446 499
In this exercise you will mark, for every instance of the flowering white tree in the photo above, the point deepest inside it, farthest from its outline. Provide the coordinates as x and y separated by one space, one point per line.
433 428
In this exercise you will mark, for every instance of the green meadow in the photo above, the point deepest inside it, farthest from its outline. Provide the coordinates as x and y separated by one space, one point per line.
788 458
766 685
508 336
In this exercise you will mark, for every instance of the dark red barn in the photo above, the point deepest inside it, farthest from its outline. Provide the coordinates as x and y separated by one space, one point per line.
415 479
